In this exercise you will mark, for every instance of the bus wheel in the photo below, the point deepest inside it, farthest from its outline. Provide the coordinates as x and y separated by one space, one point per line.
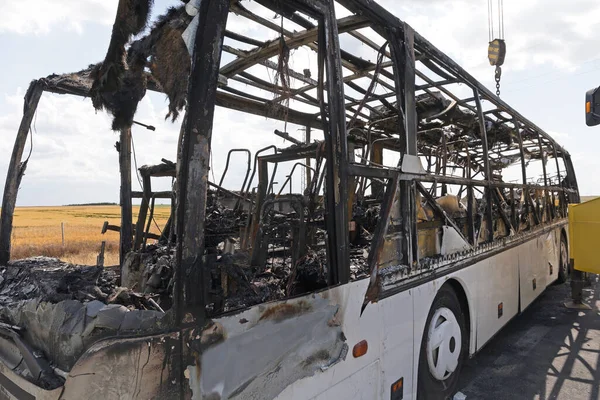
563 270
442 348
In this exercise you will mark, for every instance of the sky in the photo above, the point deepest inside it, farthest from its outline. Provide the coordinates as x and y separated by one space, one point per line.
552 59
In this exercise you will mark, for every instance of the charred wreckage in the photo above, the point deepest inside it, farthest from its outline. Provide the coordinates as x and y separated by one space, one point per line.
403 171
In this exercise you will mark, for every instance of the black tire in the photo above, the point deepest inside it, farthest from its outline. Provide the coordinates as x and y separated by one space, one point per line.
563 260
428 386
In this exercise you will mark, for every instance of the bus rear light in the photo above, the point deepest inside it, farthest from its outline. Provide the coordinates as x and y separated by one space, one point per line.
360 349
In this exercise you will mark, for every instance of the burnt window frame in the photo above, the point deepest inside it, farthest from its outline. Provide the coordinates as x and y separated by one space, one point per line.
191 275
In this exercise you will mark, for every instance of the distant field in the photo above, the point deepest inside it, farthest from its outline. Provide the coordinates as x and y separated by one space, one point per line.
37 231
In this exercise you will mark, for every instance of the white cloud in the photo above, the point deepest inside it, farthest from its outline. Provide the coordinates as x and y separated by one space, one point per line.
74 146
40 16
537 31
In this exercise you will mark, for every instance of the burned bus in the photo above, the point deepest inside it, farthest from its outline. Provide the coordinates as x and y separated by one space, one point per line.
365 257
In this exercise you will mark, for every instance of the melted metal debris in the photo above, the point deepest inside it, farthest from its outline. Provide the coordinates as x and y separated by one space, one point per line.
51 280
60 309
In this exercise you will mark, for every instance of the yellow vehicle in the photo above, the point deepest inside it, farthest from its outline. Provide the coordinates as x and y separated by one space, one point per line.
584 229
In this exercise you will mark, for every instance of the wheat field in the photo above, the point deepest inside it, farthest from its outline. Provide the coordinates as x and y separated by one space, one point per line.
37 232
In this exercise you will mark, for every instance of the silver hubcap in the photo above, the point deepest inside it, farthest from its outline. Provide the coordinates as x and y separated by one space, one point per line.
444 341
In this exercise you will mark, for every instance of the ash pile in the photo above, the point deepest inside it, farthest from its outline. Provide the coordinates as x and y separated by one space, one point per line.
60 309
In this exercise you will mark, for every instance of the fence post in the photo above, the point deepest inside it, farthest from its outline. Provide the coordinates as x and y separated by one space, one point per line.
100 257
62 231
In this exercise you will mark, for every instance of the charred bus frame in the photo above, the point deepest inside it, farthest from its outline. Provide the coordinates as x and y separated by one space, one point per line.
338 111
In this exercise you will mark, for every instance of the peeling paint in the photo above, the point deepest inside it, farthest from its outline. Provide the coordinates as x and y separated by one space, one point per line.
291 340
280 312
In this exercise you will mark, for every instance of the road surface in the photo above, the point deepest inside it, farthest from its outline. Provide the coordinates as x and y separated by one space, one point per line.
548 352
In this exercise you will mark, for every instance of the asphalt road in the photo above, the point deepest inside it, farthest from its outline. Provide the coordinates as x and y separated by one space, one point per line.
548 352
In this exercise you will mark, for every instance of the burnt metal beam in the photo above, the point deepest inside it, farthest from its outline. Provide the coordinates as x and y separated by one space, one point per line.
436 84
505 219
440 58
382 19
375 252
471 216
562 199
351 101
251 236
194 162
240 10
126 236
156 195
389 173
142 214
297 40
243 39
513 211
486 167
274 111
16 169
528 205
336 145
544 171
147 232
402 50
572 181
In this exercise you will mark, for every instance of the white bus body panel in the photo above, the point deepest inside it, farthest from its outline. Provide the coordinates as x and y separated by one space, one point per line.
489 282
387 328
393 327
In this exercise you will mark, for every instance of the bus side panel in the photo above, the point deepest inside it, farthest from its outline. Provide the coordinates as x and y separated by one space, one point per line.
387 328
486 284
498 280
397 352
497 291
541 262
296 349
534 268
527 272
362 385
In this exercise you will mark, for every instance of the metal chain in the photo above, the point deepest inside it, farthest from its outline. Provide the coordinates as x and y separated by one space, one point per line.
498 75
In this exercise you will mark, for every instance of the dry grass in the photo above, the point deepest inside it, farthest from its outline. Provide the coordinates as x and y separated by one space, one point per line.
37 232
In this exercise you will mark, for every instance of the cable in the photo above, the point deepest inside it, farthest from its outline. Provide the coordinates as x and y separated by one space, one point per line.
502 15
499 21
490 21
137 174
491 30
212 170
31 137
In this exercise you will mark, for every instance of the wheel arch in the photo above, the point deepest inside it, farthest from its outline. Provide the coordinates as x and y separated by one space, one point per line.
456 285
565 234
459 288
